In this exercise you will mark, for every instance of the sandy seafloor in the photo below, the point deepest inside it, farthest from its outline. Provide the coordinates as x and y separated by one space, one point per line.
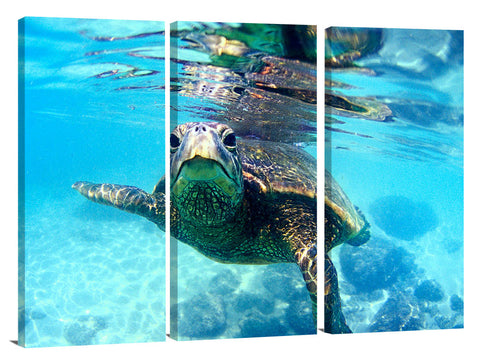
93 276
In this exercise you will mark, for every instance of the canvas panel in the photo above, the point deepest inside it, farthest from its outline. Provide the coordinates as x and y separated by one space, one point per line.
91 109
394 144
233 256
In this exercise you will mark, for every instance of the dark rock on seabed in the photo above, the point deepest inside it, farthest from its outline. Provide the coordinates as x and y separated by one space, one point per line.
402 217
84 329
399 313
255 324
299 317
375 265
281 281
429 290
456 303
246 301
224 283
203 316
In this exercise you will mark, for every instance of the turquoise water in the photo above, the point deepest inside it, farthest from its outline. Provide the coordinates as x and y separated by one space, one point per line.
406 176
94 110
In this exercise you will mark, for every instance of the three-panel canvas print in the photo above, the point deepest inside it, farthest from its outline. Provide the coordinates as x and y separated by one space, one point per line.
223 197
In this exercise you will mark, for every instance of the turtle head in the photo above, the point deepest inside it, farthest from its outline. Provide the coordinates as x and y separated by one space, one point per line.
206 172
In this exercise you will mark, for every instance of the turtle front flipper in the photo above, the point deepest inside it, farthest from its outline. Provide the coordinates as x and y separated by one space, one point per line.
306 259
127 198
334 320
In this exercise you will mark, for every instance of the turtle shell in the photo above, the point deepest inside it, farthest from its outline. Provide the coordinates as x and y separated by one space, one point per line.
278 168
343 221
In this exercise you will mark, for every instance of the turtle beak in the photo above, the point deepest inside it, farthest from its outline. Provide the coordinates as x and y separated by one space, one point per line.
202 141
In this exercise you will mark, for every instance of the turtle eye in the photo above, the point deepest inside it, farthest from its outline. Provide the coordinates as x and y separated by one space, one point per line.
174 142
230 141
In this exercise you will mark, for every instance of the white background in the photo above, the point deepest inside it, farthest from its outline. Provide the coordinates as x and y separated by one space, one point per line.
438 344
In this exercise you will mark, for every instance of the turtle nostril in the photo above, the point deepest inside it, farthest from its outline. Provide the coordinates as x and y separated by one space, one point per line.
200 128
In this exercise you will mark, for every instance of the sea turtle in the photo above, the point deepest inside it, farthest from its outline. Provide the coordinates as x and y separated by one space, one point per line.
243 202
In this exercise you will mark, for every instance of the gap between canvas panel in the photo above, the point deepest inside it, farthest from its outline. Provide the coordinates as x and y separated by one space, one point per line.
394 143
243 180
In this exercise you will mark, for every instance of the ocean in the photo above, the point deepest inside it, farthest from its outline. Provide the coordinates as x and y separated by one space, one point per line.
94 110
94 100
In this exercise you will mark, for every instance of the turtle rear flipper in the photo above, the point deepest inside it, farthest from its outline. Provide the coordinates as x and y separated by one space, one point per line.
127 198
334 320
306 259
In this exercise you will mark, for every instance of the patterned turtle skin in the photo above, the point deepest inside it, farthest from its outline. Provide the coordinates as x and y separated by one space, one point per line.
237 201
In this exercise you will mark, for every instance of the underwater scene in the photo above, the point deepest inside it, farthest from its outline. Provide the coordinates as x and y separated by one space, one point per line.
92 106
92 123
247 93
394 143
